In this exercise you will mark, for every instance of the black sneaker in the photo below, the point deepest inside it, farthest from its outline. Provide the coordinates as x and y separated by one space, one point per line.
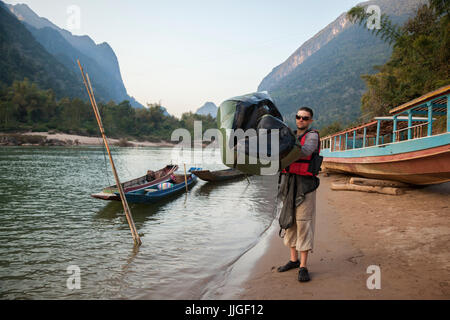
303 275
288 266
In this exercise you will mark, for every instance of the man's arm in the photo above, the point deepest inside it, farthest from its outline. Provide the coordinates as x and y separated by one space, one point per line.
310 145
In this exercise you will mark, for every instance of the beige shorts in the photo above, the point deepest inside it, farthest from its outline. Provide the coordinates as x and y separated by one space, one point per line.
301 234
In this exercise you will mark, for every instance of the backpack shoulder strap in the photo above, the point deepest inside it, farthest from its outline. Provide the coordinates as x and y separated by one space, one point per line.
304 134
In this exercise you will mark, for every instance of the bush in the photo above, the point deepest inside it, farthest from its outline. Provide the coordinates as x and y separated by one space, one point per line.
123 143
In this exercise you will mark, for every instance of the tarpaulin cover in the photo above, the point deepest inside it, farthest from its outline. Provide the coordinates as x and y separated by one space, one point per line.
249 124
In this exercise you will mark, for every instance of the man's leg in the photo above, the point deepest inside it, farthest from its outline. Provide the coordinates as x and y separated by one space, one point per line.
293 261
305 216
294 254
303 258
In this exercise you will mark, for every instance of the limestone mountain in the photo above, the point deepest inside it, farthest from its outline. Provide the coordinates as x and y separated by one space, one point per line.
98 59
208 108
325 72
21 56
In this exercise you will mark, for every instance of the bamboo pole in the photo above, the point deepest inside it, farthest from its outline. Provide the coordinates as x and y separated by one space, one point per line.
126 208
185 177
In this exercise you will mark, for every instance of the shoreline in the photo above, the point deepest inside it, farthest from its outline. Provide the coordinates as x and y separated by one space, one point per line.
406 235
65 139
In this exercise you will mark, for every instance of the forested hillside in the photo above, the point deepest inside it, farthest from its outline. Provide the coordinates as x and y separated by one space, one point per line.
420 61
40 91
25 107
23 57
325 72
99 59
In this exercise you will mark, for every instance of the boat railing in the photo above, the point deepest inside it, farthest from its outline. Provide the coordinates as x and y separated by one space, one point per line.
356 139
418 131
423 117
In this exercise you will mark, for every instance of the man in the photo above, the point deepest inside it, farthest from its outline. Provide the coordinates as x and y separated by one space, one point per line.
300 236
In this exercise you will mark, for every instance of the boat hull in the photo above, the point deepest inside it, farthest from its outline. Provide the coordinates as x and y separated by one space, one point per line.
138 197
418 167
109 193
219 175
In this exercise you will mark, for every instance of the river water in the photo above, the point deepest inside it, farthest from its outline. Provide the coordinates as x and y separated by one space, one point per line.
49 222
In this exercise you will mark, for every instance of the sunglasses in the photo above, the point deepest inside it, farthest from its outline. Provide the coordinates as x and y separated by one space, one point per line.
301 117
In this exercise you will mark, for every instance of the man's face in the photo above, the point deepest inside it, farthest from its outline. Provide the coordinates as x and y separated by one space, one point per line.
305 119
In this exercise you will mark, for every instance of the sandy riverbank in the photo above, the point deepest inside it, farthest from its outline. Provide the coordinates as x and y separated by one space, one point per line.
95 141
407 236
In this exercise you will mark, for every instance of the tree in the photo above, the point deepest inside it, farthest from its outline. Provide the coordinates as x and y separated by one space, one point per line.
419 61
330 129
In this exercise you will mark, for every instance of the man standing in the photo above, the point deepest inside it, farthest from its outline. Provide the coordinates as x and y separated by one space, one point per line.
300 236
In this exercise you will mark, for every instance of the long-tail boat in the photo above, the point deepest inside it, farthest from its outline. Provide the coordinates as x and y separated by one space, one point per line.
176 184
411 145
218 175
151 178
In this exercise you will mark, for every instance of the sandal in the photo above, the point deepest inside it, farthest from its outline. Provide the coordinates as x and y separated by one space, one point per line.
288 266
303 275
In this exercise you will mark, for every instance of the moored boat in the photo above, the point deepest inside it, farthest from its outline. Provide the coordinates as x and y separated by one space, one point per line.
218 175
151 178
163 190
411 145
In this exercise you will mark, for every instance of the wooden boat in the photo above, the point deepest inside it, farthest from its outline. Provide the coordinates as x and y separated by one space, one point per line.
157 192
151 178
219 175
412 145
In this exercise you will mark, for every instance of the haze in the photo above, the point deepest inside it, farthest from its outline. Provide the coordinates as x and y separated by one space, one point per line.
184 53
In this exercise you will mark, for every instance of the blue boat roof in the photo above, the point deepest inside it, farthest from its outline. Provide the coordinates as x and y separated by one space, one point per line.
438 99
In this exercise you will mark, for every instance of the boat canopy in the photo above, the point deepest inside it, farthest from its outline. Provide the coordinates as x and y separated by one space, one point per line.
437 99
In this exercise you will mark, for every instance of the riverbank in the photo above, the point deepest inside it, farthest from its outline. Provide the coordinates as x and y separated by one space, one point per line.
64 139
407 236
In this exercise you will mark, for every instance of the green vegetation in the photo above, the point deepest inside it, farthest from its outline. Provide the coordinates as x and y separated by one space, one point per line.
330 129
25 107
330 80
21 139
419 61
21 56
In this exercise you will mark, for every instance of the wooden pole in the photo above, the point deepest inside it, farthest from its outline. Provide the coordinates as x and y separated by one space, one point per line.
378 182
377 139
430 119
394 130
126 208
355 187
409 124
185 177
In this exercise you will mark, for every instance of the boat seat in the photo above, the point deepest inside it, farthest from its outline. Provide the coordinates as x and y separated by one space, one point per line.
179 178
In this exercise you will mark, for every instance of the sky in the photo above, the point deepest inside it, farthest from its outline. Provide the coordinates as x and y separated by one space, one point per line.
185 53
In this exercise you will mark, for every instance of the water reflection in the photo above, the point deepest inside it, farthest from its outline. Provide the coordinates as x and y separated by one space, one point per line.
207 187
48 221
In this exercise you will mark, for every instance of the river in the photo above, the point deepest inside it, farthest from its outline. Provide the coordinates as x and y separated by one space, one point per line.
48 222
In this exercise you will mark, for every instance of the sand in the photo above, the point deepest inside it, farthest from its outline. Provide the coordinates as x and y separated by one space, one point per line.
407 236
95 141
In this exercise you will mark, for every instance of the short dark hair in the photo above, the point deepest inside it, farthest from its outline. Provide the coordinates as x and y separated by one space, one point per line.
307 110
